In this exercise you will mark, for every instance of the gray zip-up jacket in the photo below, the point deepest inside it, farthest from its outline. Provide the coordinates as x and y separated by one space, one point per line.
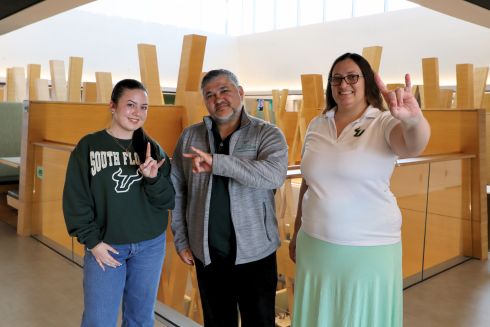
257 165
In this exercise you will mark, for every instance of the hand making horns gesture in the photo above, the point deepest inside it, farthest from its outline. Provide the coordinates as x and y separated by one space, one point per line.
150 167
401 102
202 162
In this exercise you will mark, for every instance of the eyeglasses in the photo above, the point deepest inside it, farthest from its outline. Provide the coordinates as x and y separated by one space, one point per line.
349 79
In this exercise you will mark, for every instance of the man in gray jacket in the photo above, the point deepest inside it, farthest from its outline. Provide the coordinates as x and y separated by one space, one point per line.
224 172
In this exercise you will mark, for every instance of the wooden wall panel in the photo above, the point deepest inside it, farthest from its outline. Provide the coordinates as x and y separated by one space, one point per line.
58 80
150 77
75 79
463 131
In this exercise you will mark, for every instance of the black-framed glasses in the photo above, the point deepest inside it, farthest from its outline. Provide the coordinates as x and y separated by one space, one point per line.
349 79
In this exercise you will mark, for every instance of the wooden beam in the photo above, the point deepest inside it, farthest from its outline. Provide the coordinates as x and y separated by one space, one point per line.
313 104
89 92
33 74
430 70
480 76
191 63
464 86
150 77
373 56
104 86
446 99
41 90
16 84
75 79
58 80
486 104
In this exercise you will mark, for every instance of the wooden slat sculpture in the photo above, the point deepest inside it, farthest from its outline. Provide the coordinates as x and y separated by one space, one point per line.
58 80
279 100
104 86
150 77
431 95
75 79
480 76
465 87
33 74
190 71
16 84
89 92
373 56
312 105
41 90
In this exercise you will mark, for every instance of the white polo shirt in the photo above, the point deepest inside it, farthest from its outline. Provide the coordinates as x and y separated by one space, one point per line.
348 200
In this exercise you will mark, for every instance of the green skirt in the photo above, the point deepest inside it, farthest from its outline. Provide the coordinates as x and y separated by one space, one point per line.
347 286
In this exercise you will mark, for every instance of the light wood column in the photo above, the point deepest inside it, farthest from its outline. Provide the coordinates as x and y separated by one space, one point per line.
430 69
150 77
279 99
480 76
41 90
58 80
75 79
89 92
312 105
104 86
16 84
464 86
373 56
191 63
33 74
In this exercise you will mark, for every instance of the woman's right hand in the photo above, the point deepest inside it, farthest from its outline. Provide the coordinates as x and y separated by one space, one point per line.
103 257
292 248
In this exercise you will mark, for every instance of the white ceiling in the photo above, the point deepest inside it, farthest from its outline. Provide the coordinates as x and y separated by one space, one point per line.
459 9
37 12
456 8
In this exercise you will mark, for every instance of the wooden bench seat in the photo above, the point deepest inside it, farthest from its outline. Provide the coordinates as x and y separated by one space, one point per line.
13 198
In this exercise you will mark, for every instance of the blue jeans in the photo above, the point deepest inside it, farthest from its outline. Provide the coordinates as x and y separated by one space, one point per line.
135 282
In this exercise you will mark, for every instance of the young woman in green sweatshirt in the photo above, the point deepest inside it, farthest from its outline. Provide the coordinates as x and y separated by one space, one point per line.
115 201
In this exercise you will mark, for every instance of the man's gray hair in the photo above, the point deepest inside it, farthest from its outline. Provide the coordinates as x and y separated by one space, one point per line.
212 74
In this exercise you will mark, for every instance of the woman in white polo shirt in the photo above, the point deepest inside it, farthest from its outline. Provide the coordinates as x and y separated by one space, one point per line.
347 242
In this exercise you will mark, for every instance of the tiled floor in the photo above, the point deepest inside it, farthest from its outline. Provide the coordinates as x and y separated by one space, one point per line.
39 288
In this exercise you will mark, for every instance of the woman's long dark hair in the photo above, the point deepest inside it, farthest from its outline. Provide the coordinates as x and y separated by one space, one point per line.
371 90
140 138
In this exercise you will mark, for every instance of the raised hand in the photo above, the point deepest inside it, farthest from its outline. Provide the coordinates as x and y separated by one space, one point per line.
202 162
401 102
150 167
